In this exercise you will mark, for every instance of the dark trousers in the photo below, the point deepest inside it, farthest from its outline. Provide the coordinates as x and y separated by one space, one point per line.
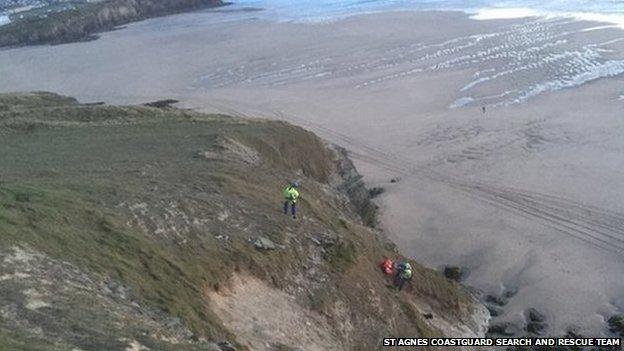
293 208
399 281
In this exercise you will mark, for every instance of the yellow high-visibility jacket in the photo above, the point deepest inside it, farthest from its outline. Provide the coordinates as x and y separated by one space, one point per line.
291 194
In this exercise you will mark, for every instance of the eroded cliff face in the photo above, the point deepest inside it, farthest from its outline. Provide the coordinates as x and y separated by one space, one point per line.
140 227
348 181
88 19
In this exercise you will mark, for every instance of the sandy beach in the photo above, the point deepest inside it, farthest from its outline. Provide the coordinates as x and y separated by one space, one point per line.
526 195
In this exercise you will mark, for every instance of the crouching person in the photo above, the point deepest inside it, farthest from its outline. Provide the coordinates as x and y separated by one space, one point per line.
403 275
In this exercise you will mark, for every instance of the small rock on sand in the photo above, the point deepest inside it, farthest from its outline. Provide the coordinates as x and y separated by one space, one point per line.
537 328
616 324
455 273
506 329
495 311
535 315
496 300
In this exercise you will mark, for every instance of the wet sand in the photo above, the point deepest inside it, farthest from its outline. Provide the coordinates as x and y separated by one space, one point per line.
526 195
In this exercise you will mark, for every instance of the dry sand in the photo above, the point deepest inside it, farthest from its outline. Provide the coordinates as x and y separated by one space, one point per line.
527 194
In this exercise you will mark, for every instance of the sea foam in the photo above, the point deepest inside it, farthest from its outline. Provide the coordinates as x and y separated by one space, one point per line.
4 19
615 20
505 13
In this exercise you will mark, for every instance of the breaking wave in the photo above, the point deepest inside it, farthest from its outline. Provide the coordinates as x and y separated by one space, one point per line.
511 64
4 19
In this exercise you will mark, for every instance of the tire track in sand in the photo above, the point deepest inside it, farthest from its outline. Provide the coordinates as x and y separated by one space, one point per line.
595 226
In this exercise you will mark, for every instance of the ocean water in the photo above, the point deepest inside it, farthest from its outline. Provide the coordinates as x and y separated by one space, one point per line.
4 19
547 51
321 10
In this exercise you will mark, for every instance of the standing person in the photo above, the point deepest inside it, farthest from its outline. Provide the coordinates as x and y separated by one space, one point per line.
483 109
404 273
291 194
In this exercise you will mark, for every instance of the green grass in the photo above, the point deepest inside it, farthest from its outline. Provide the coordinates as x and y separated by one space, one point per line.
342 256
66 176
71 175
12 341
65 225
320 299
84 20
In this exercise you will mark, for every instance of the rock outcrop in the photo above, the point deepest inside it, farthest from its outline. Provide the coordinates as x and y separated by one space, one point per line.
350 182
88 19
616 324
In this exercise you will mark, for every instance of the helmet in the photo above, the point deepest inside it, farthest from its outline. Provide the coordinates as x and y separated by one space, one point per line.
295 183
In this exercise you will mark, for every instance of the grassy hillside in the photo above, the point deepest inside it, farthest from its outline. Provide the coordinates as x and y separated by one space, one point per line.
119 224
85 20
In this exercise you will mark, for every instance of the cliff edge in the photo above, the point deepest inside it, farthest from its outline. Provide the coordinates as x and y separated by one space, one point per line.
145 228
86 20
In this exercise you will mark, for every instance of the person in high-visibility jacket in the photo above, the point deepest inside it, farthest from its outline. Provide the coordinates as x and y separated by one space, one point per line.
404 274
291 194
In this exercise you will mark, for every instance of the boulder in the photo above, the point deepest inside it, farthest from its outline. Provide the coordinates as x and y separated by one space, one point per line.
505 329
374 192
616 324
536 328
574 333
208 155
226 346
263 243
495 300
455 273
535 315
495 311
510 292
